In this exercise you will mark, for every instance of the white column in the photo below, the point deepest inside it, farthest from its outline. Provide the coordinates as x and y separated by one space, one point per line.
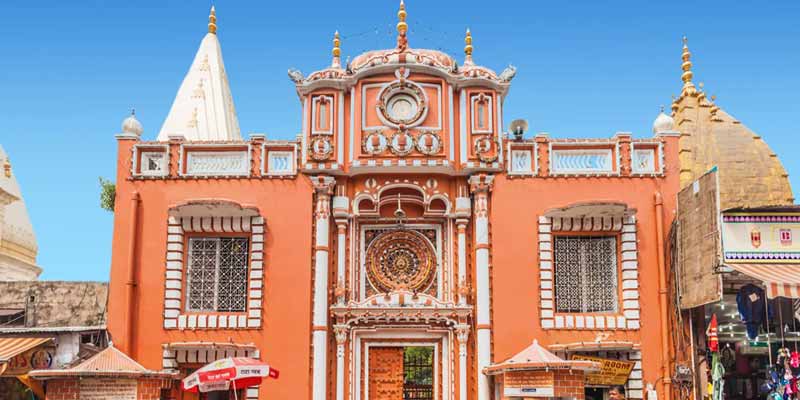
323 186
341 207
462 331
341 332
463 286
480 186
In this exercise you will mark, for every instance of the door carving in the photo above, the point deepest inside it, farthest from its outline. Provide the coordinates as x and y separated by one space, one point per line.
385 373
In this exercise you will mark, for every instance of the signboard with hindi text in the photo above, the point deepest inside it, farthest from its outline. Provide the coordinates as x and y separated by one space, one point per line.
612 372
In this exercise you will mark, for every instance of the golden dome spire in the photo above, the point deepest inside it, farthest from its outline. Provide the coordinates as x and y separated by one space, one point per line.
212 21
337 51
468 48
402 27
686 66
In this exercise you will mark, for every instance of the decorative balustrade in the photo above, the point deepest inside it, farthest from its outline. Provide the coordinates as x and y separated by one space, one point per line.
619 156
254 159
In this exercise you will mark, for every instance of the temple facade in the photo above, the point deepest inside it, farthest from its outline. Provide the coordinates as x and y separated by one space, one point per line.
408 243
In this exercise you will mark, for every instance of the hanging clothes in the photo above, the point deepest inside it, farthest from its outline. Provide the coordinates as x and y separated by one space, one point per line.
750 301
711 332
717 377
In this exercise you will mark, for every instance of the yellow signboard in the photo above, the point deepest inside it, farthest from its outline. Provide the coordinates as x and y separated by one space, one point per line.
612 372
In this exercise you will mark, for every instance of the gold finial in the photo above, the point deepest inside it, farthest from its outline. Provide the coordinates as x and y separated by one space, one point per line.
337 51
468 48
686 66
7 167
402 27
212 21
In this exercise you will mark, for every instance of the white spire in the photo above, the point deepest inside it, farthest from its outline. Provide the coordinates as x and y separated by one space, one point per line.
203 108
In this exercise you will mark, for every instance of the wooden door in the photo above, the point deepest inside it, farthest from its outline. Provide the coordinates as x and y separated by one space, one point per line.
385 373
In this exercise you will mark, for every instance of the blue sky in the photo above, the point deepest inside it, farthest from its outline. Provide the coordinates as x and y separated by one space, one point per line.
70 72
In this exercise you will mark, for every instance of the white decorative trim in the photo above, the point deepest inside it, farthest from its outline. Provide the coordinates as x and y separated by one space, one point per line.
451 134
175 316
462 114
580 161
658 157
269 166
420 122
314 107
628 318
521 162
216 161
474 98
443 345
351 132
139 150
340 128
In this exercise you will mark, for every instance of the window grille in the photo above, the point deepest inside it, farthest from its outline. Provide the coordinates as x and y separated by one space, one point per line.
585 273
217 274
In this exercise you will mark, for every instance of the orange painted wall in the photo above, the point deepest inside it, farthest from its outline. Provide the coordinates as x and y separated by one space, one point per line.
516 205
285 204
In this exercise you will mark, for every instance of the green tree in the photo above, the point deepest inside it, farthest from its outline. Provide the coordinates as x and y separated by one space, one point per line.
108 193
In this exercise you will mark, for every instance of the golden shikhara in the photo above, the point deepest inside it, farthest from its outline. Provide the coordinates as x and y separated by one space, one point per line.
401 259
750 173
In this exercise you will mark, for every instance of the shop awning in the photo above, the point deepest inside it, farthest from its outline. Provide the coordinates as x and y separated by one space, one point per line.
781 280
14 346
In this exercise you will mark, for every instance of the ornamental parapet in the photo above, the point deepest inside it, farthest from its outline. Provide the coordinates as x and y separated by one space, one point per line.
619 156
178 159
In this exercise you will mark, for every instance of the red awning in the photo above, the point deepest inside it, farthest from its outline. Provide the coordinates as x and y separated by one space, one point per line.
781 280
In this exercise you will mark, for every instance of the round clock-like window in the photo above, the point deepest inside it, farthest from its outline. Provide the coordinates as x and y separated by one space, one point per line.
403 107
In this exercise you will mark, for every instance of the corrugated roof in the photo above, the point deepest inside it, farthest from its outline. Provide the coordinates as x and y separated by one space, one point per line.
11 347
537 357
109 362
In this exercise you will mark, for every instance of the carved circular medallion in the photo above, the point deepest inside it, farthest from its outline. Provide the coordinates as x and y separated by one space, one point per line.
429 143
321 148
374 143
401 260
484 149
402 103
402 143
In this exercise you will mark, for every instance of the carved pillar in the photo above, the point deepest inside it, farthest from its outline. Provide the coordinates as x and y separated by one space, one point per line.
481 185
340 212
323 187
341 332
462 332
461 214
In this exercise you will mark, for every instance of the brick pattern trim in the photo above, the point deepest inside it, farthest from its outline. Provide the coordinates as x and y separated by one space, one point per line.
174 316
628 318
634 389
